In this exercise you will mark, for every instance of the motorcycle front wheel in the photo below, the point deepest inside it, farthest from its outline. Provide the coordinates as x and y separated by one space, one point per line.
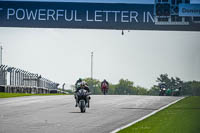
82 106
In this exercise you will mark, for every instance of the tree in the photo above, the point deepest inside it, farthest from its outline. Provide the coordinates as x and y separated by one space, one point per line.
154 91
163 79
141 91
171 83
111 89
94 85
191 88
69 91
124 86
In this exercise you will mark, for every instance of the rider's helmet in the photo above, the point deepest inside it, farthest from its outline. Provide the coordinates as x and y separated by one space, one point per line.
80 79
83 83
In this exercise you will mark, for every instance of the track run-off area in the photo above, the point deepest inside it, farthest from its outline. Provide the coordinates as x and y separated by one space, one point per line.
57 114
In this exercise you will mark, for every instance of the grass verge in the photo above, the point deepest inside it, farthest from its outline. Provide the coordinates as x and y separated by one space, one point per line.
182 117
7 95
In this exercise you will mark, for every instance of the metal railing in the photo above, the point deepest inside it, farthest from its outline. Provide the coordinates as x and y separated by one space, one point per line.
13 77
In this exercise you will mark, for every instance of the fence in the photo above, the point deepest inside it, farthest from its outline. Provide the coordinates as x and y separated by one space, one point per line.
16 80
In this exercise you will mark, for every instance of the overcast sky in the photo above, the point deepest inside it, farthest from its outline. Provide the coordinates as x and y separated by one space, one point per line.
63 55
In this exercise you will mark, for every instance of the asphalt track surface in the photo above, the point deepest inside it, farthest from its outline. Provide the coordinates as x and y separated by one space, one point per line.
57 114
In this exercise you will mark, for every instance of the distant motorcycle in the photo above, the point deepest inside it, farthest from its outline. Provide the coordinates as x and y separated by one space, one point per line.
83 99
162 92
176 92
104 88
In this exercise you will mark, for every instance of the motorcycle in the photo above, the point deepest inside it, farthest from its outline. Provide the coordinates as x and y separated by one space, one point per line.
163 89
83 99
104 88
104 91
176 92
162 92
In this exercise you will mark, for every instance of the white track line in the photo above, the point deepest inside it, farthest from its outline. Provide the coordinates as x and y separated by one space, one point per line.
152 113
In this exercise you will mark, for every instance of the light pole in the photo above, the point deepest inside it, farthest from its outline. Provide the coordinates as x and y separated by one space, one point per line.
92 71
91 65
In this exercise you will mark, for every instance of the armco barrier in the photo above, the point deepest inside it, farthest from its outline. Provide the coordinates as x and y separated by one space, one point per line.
23 89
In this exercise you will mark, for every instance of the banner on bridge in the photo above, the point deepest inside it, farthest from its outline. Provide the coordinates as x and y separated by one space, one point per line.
161 15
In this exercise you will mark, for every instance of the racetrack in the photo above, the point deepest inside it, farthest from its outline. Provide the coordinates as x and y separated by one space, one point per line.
57 114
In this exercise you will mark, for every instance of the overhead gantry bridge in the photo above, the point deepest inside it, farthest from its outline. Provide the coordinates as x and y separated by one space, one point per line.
15 80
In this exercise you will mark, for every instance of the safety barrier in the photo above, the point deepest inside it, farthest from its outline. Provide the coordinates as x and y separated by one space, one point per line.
23 89
17 80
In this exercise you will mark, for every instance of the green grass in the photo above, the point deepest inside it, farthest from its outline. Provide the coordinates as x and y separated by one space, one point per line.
182 117
7 95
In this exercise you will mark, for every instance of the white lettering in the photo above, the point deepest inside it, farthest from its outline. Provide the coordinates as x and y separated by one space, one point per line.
133 15
58 14
87 17
50 13
10 12
76 18
116 12
98 16
124 15
144 17
40 14
31 14
71 17
18 14
150 16
107 15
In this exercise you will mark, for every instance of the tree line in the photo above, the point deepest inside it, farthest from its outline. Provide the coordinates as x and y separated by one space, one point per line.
191 88
126 87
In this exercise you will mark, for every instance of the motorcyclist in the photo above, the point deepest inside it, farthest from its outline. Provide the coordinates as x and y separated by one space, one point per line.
104 85
77 84
163 90
81 84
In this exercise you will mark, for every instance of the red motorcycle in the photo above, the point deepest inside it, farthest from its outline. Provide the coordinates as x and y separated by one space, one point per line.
104 88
